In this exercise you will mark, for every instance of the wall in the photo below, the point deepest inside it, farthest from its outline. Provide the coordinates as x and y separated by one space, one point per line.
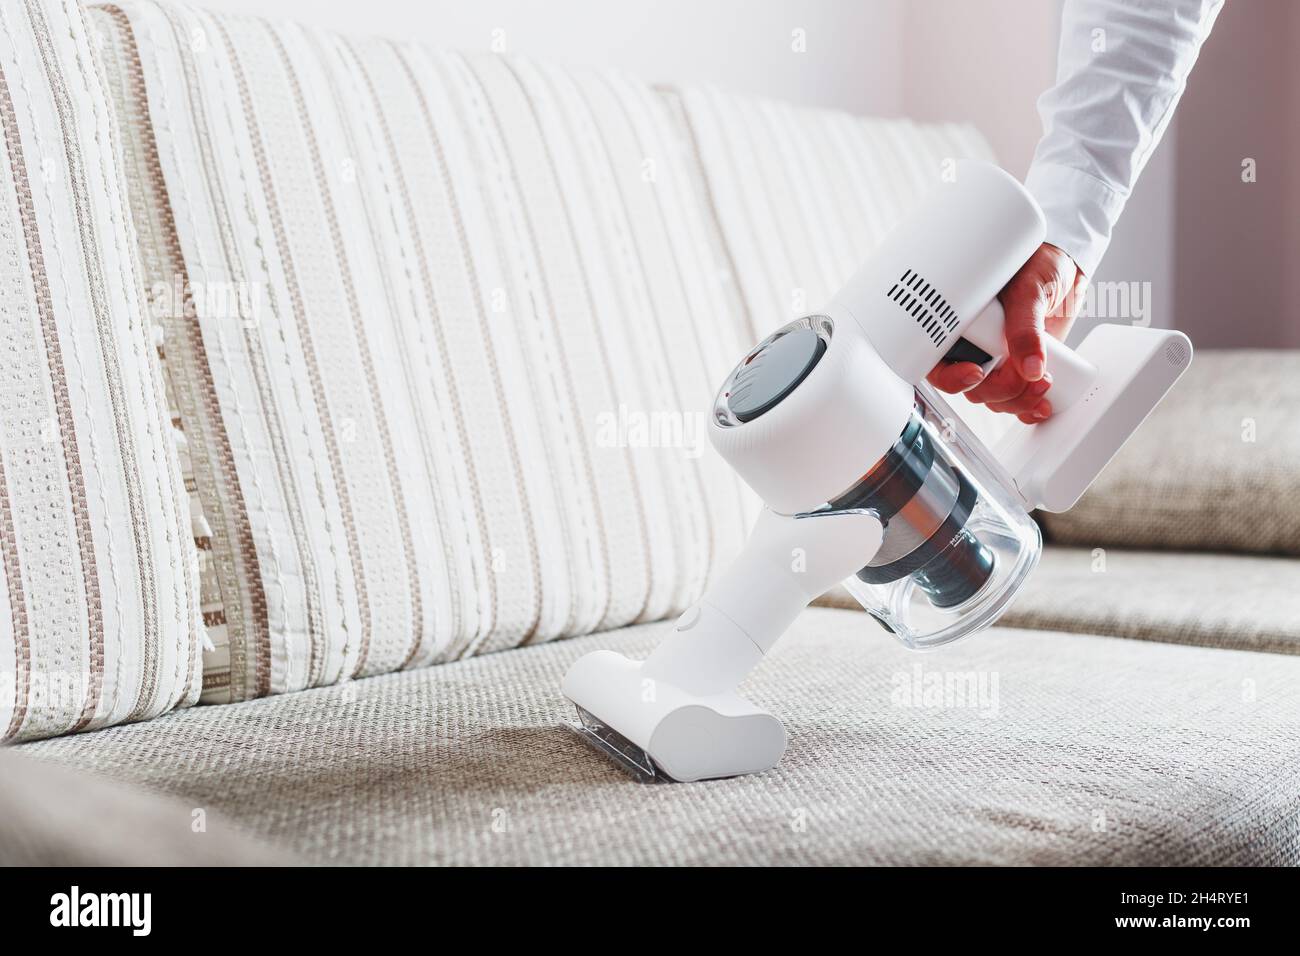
1290 113
985 63
853 57
1208 253
1238 242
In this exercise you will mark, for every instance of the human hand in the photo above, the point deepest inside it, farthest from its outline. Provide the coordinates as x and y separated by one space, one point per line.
1041 297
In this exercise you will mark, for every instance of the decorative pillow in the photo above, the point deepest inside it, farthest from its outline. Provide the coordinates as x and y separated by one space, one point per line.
98 581
443 331
1215 468
803 195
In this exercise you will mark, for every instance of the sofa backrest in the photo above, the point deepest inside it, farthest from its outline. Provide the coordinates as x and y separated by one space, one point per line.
448 326
448 329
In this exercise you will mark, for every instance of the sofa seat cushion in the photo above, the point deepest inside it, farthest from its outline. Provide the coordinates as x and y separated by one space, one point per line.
1213 467
1078 749
1246 602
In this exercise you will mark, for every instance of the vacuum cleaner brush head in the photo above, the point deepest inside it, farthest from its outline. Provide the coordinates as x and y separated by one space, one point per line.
627 755
694 733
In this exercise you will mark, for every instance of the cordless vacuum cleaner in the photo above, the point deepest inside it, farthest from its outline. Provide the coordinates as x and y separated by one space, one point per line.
869 478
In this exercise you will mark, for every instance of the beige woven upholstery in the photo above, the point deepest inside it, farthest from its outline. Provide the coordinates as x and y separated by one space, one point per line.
476 307
1079 750
402 293
1247 602
54 816
1241 601
1215 468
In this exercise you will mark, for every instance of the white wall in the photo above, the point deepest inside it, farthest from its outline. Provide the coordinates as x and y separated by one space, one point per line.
853 57
982 62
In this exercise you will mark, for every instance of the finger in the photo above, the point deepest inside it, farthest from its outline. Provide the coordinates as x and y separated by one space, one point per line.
1026 401
1026 304
1024 405
1001 385
1039 413
955 377
1030 412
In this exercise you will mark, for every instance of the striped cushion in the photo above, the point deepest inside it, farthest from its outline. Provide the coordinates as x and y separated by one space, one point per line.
446 332
803 195
98 583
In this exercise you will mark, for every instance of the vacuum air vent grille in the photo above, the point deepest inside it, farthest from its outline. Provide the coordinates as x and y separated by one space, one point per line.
1176 353
925 305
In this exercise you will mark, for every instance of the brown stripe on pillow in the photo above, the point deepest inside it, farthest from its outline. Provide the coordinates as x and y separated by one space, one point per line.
468 317
62 405
233 598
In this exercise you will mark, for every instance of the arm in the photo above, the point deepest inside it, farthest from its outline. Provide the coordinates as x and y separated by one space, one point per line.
1121 69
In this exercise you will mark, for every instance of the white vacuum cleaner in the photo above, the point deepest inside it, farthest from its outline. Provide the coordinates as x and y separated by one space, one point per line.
868 477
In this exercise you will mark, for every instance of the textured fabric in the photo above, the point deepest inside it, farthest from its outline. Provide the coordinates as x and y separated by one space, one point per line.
1216 467
447 333
802 196
1108 110
1214 600
98 584
52 816
1049 748
1246 602
172 311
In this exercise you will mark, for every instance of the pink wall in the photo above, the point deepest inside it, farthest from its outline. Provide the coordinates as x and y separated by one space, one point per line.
1290 321
982 62
1217 257
1238 244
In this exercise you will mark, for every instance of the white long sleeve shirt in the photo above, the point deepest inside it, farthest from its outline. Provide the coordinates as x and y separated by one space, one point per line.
1121 69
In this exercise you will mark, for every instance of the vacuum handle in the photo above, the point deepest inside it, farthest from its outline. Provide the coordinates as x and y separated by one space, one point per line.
1055 461
1072 374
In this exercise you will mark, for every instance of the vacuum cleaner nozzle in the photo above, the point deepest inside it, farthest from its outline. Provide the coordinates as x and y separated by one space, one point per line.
665 731
677 714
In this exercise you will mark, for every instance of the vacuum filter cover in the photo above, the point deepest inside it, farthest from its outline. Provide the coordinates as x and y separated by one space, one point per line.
807 411
769 375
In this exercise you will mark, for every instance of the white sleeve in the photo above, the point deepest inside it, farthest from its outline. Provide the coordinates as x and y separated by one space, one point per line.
1121 69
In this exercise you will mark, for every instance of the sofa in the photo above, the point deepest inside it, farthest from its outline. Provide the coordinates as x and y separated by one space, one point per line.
421 345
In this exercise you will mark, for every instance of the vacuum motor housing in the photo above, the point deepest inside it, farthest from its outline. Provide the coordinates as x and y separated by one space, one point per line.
917 491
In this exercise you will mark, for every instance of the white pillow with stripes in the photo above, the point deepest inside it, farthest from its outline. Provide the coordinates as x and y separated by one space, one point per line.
450 328
98 579
803 195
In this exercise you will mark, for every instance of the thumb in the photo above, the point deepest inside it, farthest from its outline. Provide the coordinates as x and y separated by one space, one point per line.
1025 305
